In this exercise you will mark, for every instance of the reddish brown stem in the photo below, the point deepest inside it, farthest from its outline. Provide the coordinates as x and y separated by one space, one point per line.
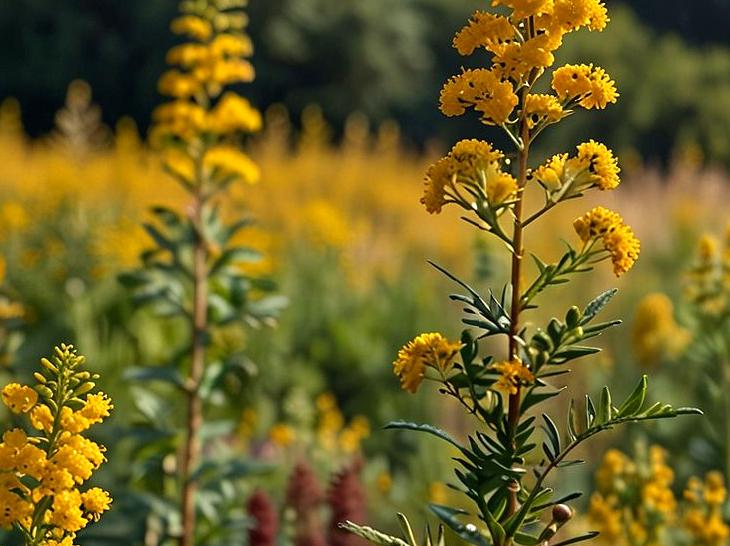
199 324
517 257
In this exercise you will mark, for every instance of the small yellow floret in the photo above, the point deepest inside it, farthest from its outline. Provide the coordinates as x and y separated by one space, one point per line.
426 350
19 398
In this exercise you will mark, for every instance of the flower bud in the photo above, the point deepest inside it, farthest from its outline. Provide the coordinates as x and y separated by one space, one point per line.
562 513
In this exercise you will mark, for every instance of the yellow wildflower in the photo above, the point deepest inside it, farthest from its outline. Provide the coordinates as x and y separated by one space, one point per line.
229 160
19 398
96 408
233 113
282 434
715 491
14 508
193 26
596 223
484 91
572 14
551 173
41 418
624 248
484 29
604 513
438 176
540 108
95 502
426 350
30 461
602 164
655 333
512 375
73 421
231 45
500 186
174 83
187 55
55 479
524 8
588 86
66 511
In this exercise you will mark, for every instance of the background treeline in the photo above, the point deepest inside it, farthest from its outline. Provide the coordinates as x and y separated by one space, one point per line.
671 60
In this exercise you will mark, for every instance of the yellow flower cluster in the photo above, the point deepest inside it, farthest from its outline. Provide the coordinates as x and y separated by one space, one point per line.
522 46
333 433
655 334
617 238
634 501
586 85
593 166
40 475
513 374
474 166
217 57
703 519
425 351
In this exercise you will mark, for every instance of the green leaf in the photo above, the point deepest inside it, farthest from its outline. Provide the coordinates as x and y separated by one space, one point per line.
590 412
635 401
166 374
428 429
449 516
587 536
552 433
405 527
604 407
595 306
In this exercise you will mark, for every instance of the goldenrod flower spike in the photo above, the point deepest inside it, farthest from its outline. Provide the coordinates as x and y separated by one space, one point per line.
51 508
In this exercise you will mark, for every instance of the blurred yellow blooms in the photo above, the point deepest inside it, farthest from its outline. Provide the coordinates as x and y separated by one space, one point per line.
634 503
282 434
656 336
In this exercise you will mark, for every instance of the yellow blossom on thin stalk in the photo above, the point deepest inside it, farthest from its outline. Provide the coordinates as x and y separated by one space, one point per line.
51 508
425 351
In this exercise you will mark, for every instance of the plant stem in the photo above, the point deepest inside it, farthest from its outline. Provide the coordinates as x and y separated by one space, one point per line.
517 258
199 323
725 367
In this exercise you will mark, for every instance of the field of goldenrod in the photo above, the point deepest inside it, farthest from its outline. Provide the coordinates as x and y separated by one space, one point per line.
255 416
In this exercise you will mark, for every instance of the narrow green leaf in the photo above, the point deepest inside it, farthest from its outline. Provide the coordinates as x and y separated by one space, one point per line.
449 516
604 407
429 429
635 400
552 434
588 536
595 306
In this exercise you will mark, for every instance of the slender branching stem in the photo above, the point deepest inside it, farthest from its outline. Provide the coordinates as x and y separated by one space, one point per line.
199 324
516 273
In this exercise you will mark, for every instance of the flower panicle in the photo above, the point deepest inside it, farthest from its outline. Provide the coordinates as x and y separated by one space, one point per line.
58 458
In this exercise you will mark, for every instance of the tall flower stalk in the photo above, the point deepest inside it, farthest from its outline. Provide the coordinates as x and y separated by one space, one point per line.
501 468
197 271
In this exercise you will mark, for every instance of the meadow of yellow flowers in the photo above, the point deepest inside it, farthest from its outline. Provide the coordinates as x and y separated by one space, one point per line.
240 283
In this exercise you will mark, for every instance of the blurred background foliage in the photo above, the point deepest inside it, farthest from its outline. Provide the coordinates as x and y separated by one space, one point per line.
671 60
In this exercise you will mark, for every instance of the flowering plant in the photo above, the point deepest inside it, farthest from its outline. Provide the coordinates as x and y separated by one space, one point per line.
41 475
197 271
505 464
